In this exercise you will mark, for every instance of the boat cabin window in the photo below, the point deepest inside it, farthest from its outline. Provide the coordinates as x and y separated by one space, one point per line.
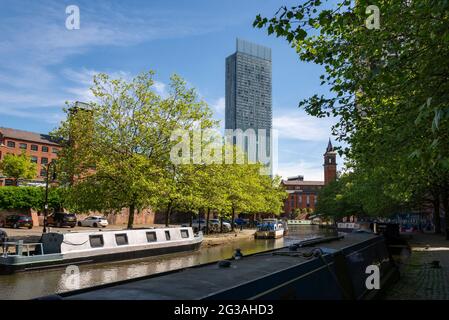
121 239
151 236
167 235
96 241
184 233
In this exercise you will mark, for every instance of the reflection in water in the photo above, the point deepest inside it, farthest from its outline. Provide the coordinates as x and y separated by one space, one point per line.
39 283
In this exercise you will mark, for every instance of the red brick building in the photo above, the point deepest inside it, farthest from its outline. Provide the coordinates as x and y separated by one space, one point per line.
304 194
40 147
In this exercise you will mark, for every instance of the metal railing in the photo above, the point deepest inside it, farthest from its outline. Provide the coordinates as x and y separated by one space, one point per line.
19 247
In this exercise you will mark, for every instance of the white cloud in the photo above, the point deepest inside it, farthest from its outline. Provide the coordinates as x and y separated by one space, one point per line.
303 127
310 170
35 43
161 88
218 106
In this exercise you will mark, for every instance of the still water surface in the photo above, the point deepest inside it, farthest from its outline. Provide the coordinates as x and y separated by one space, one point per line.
40 283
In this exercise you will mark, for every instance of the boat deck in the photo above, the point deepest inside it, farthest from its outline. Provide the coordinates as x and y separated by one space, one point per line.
205 281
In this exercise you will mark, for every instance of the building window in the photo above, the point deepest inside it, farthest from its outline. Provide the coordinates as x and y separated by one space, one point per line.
11 144
23 145
167 235
151 236
43 173
9 182
44 160
184 233
121 239
44 149
96 241
54 150
33 159
308 200
34 147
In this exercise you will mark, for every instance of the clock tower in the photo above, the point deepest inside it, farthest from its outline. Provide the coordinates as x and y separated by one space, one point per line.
330 164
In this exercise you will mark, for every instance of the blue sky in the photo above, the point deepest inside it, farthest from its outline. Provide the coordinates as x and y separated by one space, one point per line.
44 64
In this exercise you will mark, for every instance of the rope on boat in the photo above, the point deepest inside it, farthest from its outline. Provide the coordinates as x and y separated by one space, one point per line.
74 244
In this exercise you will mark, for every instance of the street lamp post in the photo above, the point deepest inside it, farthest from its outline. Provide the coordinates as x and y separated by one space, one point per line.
50 164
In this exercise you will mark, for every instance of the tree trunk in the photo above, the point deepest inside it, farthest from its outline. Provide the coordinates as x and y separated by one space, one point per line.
131 216
191 218
221 224
436 213
167 215
445 201
232 219
199 218
207 221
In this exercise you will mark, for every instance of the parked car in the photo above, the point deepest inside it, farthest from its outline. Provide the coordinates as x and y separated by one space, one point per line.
241 222
18 221
195 223
214 225
94 221
62 219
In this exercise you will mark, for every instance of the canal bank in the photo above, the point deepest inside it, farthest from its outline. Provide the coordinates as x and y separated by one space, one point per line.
425 273
211 240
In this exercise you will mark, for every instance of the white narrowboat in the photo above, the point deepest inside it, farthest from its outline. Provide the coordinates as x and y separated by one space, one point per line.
56 250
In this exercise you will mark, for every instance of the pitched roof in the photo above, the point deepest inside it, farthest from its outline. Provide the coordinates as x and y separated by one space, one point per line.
27 136
329 146
302 183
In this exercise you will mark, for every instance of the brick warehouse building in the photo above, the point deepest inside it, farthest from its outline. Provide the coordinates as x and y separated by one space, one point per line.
40 147
303 194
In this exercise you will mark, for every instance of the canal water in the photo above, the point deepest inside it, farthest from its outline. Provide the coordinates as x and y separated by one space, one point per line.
40 283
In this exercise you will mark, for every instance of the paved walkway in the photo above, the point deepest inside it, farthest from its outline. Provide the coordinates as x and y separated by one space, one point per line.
419 280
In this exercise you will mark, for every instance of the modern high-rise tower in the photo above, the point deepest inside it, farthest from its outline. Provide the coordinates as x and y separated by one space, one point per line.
248 87
248 93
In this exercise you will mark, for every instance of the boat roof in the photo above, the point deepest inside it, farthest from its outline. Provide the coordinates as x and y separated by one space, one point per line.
191 283
114 230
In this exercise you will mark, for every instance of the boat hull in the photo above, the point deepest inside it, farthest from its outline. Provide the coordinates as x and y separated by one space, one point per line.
102 258
275 234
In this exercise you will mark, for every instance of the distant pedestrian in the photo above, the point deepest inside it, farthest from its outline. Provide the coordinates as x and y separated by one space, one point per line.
3 239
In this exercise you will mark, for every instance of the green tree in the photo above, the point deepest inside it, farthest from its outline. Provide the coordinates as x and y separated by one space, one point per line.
388 89
18 167
117 153
30 198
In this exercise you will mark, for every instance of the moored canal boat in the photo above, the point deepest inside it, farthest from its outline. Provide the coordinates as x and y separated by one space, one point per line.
270 229
302 222
56 250
322 268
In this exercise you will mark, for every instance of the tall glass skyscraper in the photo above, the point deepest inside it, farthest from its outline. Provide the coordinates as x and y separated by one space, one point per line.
248 90
248 87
